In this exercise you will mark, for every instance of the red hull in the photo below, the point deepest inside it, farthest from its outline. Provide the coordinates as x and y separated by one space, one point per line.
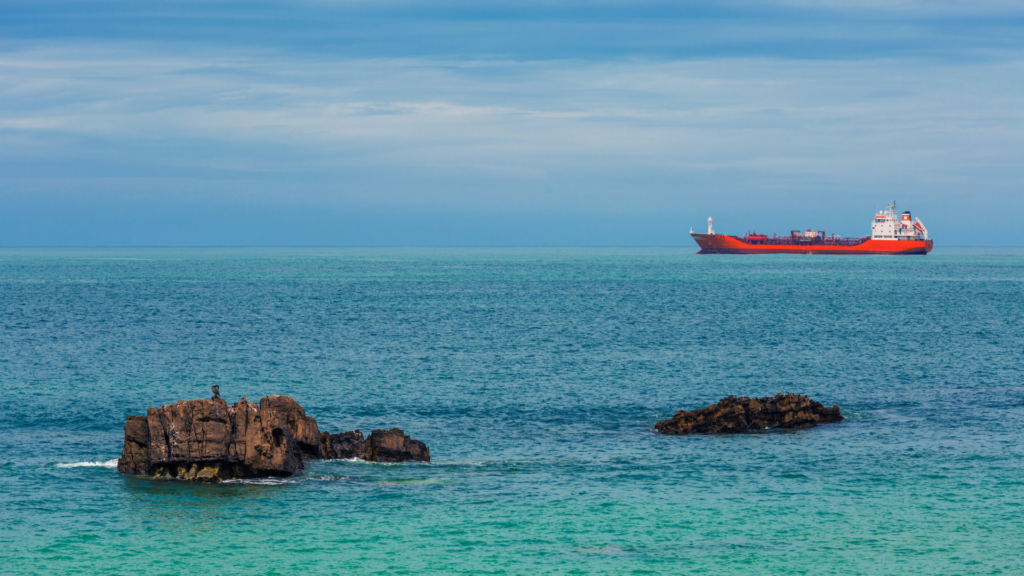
719 244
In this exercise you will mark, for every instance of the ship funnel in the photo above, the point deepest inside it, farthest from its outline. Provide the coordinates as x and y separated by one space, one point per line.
710 222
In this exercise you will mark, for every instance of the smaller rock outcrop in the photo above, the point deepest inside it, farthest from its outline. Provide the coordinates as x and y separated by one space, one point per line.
394 446
733 415
344 446
382 446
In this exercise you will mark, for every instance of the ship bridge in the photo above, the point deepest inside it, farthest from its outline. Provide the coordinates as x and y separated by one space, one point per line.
888 226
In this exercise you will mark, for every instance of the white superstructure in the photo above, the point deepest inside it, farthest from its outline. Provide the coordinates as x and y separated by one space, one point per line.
888 227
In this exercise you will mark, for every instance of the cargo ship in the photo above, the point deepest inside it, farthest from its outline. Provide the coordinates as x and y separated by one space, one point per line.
890 234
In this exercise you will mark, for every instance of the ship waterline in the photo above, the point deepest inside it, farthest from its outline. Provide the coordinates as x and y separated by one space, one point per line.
722 244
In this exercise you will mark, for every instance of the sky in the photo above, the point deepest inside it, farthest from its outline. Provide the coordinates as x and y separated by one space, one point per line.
525 123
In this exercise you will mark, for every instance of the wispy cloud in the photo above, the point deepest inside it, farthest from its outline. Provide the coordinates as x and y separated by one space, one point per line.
831 118
542 118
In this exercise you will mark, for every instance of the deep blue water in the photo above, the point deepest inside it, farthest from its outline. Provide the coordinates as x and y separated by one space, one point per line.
535 377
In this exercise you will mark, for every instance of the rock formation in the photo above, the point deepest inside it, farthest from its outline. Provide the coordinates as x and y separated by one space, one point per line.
382 446
732 415
135 455
344 446
304 429
394 446
209 441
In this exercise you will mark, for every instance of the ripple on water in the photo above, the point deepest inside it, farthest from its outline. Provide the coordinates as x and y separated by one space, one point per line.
535 377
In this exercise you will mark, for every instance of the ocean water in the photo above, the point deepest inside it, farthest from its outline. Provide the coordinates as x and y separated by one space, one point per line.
535 376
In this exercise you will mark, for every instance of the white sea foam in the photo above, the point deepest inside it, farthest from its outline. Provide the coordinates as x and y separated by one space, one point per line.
268 481
107 464
361 461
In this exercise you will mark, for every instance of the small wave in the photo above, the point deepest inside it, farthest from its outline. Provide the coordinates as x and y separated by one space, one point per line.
407 481
107 464
329 478
361 461
611 549
269 481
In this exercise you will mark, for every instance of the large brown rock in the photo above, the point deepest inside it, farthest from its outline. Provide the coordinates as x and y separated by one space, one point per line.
394 446
733 415
209 441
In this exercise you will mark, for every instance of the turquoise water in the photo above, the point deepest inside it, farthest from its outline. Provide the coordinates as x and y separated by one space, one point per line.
535 377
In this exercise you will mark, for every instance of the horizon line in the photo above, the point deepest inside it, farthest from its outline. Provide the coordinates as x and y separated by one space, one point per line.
223 246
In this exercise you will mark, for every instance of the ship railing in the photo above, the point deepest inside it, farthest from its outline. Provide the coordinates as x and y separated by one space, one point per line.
803 241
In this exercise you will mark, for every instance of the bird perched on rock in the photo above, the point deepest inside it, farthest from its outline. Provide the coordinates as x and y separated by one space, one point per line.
216 391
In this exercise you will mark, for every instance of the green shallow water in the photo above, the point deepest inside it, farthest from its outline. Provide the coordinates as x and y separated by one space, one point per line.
535 377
